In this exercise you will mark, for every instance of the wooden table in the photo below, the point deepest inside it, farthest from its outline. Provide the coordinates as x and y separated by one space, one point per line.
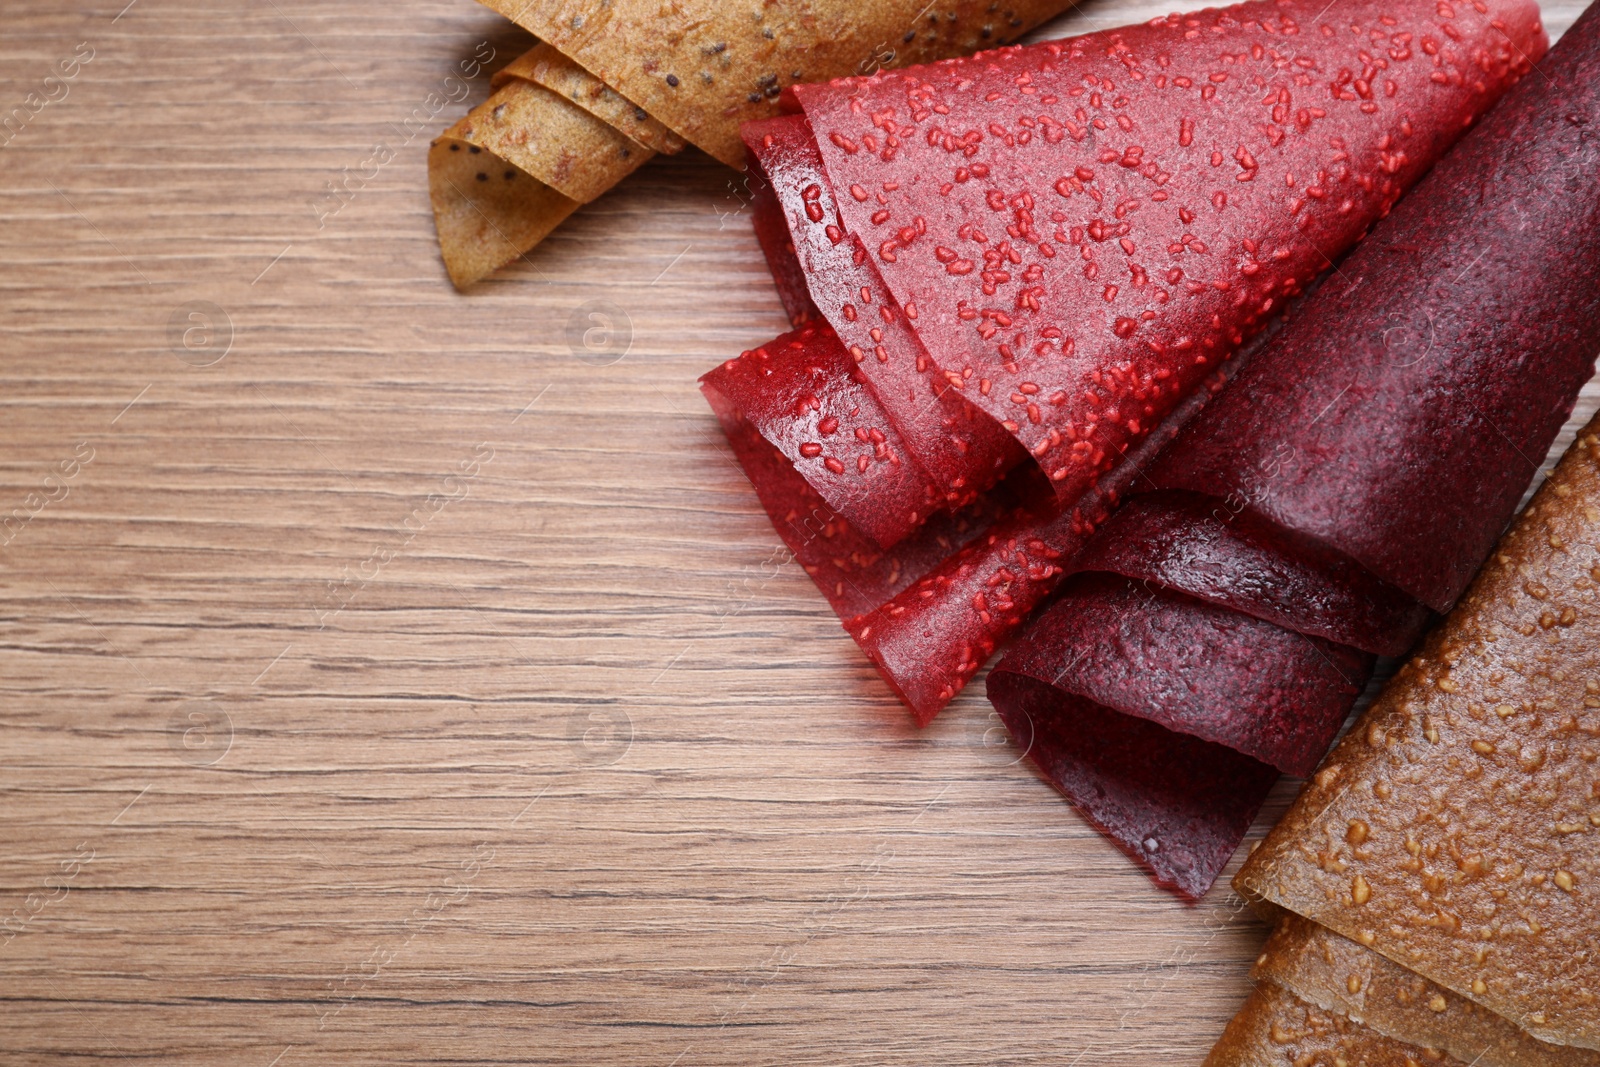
389 679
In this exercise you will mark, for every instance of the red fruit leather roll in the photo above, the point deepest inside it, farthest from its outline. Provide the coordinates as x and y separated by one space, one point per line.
1165 719
931 637
963 450
1401 415
1083 228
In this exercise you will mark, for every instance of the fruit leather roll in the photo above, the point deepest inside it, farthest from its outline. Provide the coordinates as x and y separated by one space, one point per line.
1125 248
1453 829
1336 974
1335 412
616 81
1195 254
551 138
1077 231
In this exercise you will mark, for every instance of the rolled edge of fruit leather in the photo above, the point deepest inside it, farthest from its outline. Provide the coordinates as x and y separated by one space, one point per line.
1329 370
1165 719
543 65
511 170
1082 228
799 393
1199 546
1452 829
1275 1028
1336 974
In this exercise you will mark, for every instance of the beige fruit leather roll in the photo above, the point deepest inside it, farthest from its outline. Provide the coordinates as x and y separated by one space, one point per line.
616 81
1455 830
550 138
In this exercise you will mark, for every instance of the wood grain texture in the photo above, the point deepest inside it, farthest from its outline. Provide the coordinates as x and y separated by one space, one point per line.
405 685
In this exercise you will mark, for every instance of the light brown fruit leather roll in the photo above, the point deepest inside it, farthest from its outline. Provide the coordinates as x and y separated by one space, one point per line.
1335 974
1456 828
1277 1029
522 161
615 81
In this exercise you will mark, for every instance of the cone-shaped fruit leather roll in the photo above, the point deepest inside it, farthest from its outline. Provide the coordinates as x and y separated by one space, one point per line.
615 81
1108 217
1323 424
1453 829
550 138
1077 230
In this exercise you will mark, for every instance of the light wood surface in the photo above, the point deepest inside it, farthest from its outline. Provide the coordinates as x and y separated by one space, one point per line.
401 687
